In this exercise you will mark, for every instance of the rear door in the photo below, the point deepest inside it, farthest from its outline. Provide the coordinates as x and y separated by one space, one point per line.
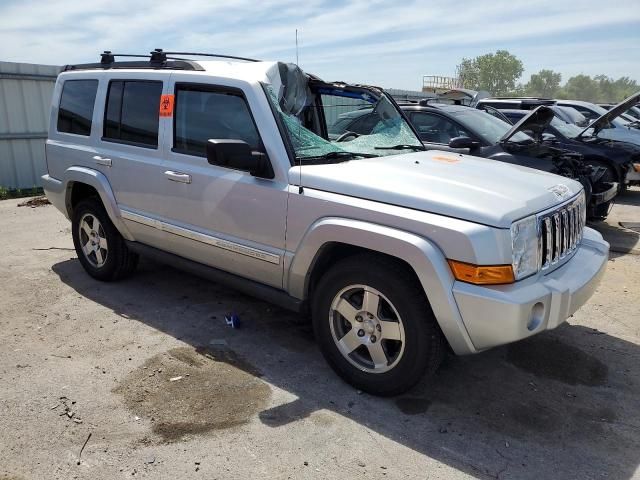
131 149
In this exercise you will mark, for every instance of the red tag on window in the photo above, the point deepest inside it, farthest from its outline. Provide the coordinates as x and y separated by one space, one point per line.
166 105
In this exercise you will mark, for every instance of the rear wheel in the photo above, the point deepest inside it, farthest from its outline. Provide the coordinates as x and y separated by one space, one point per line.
99 246
375 326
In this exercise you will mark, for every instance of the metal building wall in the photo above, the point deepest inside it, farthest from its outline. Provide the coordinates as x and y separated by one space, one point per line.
25 102
337 105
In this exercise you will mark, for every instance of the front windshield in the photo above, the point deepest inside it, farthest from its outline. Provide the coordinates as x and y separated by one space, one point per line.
568 130
358 124
490 128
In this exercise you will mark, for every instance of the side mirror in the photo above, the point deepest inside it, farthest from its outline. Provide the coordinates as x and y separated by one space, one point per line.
463 142
237 154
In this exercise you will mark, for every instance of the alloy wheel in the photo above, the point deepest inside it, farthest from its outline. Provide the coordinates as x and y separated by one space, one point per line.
367 328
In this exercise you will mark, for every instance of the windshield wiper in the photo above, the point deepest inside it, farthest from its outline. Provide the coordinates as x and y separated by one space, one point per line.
342 155
415 148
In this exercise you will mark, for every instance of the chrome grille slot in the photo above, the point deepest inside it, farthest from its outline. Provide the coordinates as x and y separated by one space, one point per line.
560 231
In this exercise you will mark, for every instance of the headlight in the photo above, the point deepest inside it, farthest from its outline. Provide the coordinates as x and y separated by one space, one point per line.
524 247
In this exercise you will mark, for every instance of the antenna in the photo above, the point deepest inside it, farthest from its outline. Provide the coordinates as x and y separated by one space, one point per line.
300 188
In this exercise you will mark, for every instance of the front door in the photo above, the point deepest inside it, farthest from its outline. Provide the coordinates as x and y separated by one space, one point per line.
218 216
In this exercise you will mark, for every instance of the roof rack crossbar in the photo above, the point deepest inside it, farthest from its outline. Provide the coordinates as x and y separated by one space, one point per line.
195 54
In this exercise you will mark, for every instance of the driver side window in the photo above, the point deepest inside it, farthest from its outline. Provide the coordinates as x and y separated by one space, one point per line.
202 113
434 128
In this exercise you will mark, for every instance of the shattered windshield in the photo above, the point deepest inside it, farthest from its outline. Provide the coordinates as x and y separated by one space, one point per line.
358 124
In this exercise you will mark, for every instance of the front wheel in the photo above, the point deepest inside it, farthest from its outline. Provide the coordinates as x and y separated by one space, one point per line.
375 326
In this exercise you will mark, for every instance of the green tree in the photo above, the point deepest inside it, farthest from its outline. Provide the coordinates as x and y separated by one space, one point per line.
606 87
581 87
545 83
624 87
494 72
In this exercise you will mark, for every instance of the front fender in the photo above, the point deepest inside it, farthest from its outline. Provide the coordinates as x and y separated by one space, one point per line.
423 256
101 184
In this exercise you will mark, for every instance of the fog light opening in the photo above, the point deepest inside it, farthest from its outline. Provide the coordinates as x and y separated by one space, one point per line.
537 314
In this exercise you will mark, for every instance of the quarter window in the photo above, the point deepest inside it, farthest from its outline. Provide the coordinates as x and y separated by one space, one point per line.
201 114
76 106
132 112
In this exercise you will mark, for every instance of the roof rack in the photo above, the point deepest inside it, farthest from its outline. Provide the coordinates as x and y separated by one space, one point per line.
215 55
157 59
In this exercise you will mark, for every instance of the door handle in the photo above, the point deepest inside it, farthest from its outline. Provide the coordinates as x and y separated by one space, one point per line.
178 177
102 161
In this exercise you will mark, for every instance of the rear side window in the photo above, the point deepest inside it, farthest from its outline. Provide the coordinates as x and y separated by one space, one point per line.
76 106
201 114
132 112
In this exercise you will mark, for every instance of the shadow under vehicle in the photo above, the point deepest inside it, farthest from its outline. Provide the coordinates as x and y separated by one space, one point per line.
559 405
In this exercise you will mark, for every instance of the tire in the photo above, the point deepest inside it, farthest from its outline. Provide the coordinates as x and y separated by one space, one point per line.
403 313
611 174
101 249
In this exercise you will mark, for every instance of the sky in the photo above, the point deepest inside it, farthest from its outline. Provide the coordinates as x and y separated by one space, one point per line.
385 43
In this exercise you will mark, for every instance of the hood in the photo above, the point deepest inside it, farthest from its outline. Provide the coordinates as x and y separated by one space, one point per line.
605 119
537 121
462 96
460 186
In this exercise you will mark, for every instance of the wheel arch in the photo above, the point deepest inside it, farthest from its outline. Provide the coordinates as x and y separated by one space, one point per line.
607 162
330 239
82 182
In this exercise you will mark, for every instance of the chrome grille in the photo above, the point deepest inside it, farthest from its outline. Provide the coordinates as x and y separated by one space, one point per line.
560 231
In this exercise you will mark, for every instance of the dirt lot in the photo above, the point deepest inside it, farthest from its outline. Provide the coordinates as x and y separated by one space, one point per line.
148 368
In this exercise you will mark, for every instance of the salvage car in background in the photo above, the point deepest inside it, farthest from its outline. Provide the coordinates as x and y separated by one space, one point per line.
608 123
620 159
568 114
468 130
632 115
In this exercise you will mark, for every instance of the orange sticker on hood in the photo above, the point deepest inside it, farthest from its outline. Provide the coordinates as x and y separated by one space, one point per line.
445 158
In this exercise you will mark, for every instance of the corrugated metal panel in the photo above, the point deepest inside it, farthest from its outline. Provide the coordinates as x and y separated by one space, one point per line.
25 101
338 105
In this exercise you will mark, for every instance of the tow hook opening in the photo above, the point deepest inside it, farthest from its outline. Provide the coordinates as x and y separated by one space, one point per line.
535 319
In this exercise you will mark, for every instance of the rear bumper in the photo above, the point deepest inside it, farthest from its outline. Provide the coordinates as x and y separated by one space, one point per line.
56 193
506 313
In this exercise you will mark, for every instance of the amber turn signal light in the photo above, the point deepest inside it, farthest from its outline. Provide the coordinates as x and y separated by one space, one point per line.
481 274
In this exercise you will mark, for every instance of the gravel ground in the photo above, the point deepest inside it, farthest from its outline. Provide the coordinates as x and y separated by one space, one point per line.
148 377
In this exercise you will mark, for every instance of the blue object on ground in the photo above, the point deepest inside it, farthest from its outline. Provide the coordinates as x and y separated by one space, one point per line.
232 320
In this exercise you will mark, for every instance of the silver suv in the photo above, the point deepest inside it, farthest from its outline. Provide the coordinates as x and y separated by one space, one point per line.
226 168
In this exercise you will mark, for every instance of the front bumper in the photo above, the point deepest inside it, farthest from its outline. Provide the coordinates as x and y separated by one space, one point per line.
495 315
633 174
606 196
